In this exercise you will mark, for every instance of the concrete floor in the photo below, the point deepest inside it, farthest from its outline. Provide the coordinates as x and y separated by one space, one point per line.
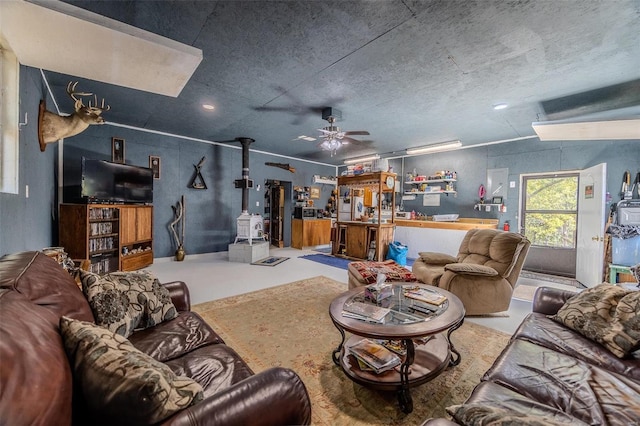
211 276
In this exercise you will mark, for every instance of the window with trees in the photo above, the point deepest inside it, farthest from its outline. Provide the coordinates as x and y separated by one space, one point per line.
550 210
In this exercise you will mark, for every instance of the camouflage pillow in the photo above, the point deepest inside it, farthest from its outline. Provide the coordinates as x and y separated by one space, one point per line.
120 384
125 301
607 314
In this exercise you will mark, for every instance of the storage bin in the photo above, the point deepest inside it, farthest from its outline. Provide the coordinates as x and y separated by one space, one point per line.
626 252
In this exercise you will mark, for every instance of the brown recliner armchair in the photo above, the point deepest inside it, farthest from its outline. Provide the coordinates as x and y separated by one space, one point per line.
484 273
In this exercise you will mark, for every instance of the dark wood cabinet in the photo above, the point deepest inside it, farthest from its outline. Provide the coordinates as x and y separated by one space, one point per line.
111 236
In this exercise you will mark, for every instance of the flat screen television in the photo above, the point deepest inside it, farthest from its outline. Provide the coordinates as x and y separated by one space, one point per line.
106 182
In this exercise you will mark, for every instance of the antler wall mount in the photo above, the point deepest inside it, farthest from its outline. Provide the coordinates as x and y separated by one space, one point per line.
53 127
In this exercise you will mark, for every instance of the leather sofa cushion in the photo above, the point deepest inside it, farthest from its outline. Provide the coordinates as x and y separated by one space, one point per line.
35 377
471 269
119 383
589 393
607 314
215 367
540 329
124 301
489 394
171 339
44 282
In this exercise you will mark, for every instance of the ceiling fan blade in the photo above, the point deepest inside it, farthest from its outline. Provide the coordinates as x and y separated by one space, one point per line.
357 132
354 141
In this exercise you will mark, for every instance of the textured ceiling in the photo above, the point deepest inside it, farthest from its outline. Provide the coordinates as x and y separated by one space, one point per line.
412 73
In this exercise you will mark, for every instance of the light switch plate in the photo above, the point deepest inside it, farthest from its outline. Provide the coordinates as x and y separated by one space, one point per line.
512 184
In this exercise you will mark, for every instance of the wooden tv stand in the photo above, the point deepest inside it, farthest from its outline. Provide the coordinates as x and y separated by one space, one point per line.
113 237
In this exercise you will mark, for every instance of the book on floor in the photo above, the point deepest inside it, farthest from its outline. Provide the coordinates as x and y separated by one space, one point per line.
365 312
374 355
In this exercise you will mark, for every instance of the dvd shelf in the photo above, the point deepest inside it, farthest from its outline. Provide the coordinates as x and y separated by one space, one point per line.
112 237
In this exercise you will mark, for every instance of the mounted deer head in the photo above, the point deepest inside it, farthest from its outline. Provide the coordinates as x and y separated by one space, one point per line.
53 127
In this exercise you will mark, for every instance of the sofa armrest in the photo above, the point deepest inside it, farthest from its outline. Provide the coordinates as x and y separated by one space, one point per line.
180 296
274 397
434 258
548 300
471 269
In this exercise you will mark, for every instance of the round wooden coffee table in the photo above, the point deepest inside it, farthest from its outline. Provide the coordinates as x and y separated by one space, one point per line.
424 334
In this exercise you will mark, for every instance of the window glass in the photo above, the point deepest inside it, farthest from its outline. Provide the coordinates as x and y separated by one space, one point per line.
550 210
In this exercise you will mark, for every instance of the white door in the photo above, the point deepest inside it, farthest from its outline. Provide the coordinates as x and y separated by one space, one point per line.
591 221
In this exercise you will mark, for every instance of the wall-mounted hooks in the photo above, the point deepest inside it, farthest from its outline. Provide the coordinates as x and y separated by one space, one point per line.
26 120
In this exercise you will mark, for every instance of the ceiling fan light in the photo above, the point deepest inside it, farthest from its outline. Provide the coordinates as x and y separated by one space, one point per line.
438 147
362 159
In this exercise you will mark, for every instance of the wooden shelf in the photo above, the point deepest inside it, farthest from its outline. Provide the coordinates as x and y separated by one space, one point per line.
132 229
409 182
429 192
317 179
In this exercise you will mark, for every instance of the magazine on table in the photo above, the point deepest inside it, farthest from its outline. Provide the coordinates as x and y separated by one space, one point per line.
365 312
424 295
374 355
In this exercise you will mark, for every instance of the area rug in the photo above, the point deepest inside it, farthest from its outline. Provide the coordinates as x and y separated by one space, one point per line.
334 261
289 326
270 261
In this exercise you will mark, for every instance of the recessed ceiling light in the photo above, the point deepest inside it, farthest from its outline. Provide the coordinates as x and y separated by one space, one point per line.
500 106
208 107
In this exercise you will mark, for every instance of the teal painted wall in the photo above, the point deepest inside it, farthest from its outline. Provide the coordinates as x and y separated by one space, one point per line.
31 223
521 157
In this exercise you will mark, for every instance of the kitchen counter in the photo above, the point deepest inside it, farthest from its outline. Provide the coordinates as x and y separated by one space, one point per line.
460 224
441 237
310 232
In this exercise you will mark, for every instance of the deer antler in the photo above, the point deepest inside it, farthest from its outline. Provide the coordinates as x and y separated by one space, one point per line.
71 91
96 107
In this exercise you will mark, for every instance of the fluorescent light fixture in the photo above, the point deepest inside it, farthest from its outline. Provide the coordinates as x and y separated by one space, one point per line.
588 130
437 147
362 159
500 106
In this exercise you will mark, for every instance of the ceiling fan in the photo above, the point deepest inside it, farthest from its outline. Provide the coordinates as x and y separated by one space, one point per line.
332 136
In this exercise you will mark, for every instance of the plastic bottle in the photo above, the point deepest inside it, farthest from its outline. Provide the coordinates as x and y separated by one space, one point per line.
413 214
506 225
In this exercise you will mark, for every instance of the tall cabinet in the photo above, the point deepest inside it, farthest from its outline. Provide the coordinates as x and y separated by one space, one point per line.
111 236
358 239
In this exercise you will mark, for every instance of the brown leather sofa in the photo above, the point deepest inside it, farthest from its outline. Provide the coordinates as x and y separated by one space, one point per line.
554 375
36 382
484 273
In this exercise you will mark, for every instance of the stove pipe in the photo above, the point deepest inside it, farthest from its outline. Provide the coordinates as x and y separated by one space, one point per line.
245 183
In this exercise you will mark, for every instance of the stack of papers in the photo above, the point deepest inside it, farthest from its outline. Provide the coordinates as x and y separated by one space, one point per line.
365 312
375 356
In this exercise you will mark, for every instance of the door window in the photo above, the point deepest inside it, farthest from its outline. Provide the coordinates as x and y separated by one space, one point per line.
550 210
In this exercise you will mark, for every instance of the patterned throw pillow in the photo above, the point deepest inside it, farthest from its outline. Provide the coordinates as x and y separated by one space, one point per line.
121 384
607 314
125 301
368 271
